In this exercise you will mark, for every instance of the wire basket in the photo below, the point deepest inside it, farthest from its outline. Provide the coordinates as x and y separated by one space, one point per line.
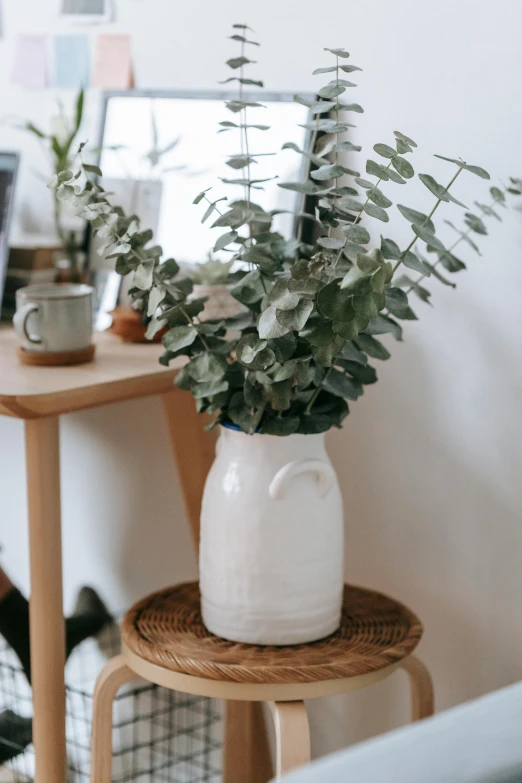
159 736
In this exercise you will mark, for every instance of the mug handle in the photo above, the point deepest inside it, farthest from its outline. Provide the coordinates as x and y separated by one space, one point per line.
324 473
20 322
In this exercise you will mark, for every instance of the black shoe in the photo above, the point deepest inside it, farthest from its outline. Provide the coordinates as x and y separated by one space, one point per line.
16 734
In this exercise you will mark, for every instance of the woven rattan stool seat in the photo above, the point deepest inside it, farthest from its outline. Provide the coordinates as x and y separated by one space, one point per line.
166 629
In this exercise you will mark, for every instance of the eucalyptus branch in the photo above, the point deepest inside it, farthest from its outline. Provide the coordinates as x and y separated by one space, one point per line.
359 216
427 220
450 249
310 330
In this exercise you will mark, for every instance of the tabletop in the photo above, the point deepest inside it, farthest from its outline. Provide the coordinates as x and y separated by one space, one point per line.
120 371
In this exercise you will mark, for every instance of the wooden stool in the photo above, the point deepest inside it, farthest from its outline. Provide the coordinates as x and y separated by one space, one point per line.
165 642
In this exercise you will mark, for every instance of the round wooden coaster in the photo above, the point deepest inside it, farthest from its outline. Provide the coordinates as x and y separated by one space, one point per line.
58 359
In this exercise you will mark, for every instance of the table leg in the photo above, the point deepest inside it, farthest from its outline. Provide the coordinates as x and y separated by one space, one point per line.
194 453
47 627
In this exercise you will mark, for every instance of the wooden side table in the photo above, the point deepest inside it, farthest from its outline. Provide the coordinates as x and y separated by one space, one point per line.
165 642
39 396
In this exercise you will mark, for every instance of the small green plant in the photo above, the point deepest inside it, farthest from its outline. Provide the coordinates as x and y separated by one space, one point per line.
61 148
316 310
212 272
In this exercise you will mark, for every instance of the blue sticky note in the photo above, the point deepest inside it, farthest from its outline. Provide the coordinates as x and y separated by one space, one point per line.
71 61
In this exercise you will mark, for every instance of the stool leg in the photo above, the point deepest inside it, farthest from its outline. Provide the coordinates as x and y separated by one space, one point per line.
422 698
113 675
292 735
246 753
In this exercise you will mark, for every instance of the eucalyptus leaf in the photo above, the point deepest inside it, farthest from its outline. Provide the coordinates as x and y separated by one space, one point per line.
306 288
269 326
225 239
475 223
378 197
348 330
377 170
390 249
364 373
427 236
497 194
477 170
156 296
383 324
451 262
419 218
396 299
403 167
336 303
376 212
395 177
329 171
357 234
441 192
349 68
281 297
341 384
237 62
179 337
384 150
365 305
331 243
280 425
325 355
318 332
412 261
331 91
355 107
399 135
338 52
300 187
435 272
330 69
372 347
143 275
295 319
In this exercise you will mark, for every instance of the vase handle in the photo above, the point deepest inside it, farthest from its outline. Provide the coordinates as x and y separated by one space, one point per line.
325 475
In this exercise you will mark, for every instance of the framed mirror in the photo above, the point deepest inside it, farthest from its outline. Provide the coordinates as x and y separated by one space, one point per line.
159 149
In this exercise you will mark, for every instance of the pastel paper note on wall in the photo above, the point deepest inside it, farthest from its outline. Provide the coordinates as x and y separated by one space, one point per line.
30 62
113 67
71 61
88 11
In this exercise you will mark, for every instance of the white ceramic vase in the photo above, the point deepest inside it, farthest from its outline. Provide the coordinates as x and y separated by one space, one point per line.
271 555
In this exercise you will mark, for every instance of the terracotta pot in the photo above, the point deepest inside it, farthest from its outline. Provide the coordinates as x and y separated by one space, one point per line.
128 324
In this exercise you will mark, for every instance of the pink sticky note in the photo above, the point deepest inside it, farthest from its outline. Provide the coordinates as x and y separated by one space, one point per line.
30 63
113 63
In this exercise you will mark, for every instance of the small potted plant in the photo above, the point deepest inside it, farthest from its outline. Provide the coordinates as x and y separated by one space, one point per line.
271 560
212 280
60 147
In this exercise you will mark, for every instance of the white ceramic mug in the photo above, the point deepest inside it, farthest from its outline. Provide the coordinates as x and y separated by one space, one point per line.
54 317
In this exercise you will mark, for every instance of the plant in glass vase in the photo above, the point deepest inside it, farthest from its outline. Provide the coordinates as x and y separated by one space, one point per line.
271 561
60 146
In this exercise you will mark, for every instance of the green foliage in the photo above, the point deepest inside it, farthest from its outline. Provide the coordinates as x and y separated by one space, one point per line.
316 310
60 151
212 272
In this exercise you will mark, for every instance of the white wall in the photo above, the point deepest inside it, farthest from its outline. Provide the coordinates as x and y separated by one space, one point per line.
430 459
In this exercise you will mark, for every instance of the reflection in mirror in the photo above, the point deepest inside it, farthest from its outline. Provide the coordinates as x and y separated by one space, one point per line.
160 149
